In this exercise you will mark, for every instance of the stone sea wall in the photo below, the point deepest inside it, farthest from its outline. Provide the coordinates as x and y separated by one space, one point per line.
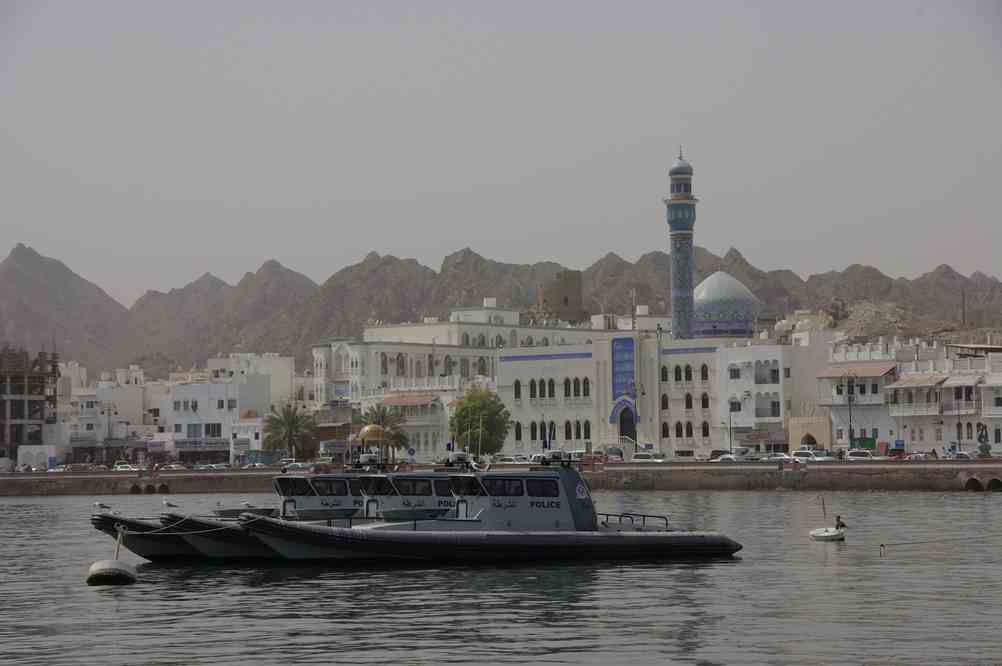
834 476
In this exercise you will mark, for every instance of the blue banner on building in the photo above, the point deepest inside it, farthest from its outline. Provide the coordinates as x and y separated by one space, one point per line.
624 382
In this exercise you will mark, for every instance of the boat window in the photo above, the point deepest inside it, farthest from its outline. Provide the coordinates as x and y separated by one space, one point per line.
542 488
377 485
413 486
499 487
355 487
466 486
293 487
443 488
330 487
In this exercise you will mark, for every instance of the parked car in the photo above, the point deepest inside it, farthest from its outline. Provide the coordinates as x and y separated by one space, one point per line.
520 459
810 455
724 457
961 455
124 467
504 460
296 465
859 455
174 467
58 468
96 467
648 457
780 457
256 465
202 467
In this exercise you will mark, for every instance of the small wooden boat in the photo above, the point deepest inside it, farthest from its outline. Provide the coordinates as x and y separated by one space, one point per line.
828 534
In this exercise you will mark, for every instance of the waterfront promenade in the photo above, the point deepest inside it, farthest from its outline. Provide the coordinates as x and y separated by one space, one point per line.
931 476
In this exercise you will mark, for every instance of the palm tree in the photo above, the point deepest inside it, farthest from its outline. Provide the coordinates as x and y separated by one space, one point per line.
291 429
391 420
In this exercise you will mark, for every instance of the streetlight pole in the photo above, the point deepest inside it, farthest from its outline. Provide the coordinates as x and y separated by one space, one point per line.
657 398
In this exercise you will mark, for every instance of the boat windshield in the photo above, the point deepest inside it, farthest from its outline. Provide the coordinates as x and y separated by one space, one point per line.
466 486
542 488
377 485
413 486
502 487
294 487
330 487
443 488
355 487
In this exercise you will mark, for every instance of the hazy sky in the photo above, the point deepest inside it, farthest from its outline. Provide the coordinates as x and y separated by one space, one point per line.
146 143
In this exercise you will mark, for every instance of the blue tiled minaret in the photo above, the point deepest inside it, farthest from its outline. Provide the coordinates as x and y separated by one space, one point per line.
681 212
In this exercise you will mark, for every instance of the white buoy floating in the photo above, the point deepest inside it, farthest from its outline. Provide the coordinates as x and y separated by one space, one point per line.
112 572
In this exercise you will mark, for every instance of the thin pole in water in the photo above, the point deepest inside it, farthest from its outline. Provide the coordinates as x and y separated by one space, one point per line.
824 511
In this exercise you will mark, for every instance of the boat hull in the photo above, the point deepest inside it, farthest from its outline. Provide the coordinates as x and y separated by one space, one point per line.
828 534
298 541
217 539
146 538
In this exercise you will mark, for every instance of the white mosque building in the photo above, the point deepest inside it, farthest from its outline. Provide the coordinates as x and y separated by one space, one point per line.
703 383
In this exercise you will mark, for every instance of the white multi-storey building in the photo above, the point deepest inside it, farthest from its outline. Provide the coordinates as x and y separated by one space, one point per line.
281 370
209 417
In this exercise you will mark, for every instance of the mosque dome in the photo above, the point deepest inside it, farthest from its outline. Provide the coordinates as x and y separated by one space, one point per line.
680 167
724 307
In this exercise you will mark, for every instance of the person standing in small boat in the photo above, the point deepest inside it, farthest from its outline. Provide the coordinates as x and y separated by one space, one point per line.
839 525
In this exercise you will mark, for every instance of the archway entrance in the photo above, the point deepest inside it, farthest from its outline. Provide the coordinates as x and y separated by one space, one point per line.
628 424
808 442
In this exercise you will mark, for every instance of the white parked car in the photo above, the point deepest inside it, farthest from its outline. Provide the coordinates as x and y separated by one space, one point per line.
726 457
859 455
780 457
122 467
648 457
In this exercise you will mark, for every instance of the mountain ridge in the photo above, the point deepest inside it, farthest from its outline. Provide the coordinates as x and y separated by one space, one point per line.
43 302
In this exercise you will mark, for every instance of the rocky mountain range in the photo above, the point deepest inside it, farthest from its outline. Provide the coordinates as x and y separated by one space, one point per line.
44 304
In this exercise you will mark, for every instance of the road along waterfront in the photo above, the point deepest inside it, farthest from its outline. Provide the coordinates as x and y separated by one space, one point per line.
785 600
942 476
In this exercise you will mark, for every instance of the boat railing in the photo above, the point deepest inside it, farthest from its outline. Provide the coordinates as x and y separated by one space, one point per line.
632 519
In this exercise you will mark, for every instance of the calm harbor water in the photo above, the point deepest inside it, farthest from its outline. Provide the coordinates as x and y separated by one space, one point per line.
785 600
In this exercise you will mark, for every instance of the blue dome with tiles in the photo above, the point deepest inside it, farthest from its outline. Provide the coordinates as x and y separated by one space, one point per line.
724 308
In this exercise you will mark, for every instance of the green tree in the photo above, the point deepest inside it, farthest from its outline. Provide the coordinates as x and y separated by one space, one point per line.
292 429
392 422
480 422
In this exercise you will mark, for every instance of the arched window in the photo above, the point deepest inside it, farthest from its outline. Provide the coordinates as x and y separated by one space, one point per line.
542 388
704 401
449 366
553 430
518 390
542 432
383 369
678 429
577 430
688 401
553 388
970 431
482 366
545 342
567 387
532 431
577 387
401 365
431 365
665 430
664 401
908 396
705 429
481 340
568 433
528 341
418 369
960 431
688 428
678 373
586 387
466 339
704 373
498 341
664 373
688 373
587 429
518 432
532 389
464 367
